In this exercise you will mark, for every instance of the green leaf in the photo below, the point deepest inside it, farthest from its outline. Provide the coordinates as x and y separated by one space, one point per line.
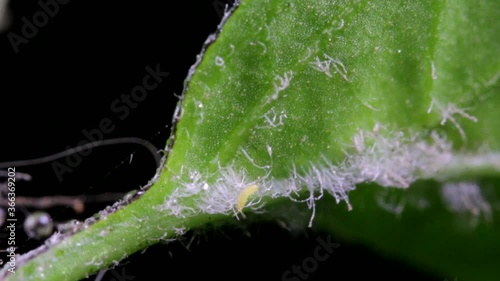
299 100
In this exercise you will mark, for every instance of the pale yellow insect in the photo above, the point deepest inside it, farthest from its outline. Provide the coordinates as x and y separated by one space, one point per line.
244 194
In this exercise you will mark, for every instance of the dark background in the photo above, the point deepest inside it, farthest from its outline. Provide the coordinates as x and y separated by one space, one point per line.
64 80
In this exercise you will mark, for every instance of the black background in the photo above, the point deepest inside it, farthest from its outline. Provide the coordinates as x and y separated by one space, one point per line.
64 80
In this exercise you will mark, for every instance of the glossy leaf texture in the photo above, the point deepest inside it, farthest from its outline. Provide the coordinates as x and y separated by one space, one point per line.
301 79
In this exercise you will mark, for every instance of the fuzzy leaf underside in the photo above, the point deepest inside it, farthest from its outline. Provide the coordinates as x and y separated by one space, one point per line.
264 84
276 102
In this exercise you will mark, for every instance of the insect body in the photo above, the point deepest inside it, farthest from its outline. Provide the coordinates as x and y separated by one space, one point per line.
244 194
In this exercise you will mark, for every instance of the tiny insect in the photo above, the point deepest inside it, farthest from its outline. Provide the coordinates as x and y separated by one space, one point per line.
244 194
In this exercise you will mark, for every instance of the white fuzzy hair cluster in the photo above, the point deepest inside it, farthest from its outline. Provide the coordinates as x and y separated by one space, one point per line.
390 159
